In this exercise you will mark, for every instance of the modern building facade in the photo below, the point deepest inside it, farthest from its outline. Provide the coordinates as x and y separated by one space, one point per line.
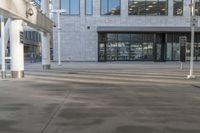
124 30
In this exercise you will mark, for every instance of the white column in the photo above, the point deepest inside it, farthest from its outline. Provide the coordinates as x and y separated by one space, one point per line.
46 62
17 49
3 69
46 51
0 53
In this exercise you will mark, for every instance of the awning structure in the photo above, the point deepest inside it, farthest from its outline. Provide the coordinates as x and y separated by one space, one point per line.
143 29
17 9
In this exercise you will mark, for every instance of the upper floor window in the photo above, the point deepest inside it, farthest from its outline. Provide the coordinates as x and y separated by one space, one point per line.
88 7
110 7
72 7
178 7
148 7
197 7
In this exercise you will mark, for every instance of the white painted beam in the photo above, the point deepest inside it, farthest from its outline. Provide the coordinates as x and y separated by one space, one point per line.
17 9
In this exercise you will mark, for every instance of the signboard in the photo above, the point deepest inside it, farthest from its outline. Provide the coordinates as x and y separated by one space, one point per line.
183 42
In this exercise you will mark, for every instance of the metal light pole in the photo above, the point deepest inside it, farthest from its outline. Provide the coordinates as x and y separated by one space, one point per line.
58 12
193 24
3 71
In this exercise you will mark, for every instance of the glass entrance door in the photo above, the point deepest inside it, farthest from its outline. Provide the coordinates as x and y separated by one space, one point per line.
102 52
159 47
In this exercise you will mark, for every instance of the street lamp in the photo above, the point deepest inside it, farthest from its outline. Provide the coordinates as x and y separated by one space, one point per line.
58 12
193 24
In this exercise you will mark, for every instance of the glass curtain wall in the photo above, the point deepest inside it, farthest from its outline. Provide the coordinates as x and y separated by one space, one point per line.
178 7
148 7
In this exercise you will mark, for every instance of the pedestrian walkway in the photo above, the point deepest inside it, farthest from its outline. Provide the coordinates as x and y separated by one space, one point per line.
118 97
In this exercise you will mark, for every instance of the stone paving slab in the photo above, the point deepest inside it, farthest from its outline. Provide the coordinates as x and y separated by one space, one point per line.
94 98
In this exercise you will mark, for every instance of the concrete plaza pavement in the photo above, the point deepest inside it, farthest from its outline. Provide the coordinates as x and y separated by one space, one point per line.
116 97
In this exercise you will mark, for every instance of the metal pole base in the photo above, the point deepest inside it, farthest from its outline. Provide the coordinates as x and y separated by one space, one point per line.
46 67
17 74
3 74
191 77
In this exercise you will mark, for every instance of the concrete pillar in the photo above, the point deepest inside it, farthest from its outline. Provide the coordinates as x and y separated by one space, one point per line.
17 49
46 61
0 53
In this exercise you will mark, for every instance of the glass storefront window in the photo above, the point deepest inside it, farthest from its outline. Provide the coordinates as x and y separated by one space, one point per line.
176 51
144 46
123 50
178 7
148 7
136 51
72 7
198 51
110 7
111 51
169 51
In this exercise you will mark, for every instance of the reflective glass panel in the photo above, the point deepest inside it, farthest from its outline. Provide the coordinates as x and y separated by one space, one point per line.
123 50
110 7
137 7
152 7
75 7
197 7
88 7
178 7
72 7
148 7
163 7
64 4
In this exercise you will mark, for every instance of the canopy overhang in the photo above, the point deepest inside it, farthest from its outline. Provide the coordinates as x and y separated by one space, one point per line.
143 29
